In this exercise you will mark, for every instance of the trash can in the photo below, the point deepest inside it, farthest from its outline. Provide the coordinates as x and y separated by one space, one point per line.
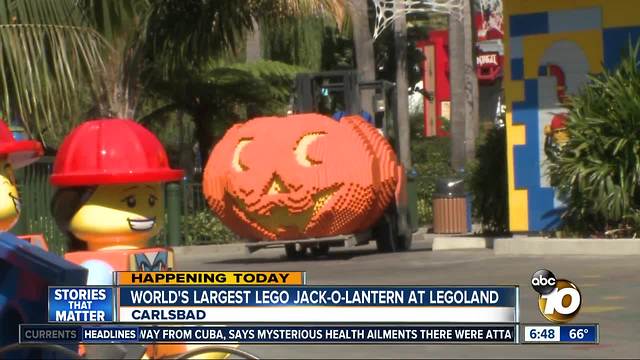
451 207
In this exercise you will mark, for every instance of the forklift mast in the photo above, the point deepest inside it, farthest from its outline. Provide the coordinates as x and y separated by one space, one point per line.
345 85
309 87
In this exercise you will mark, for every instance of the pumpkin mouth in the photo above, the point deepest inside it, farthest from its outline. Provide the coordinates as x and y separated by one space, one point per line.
280 220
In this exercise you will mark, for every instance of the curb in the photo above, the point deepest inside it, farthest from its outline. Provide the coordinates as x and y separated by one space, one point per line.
209 250
547 246
461 242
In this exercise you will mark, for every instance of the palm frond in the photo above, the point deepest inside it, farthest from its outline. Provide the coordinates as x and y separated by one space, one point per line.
597 172
48 54
279 9
219 85
183 33
114 18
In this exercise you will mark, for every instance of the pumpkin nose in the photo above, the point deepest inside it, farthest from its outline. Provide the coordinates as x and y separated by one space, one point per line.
277 186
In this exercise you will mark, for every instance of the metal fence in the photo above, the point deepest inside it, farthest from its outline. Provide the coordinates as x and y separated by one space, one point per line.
35 195
193 200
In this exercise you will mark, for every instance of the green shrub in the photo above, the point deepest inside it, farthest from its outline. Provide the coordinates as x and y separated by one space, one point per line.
487 181
597 172
430 157
199 228
204 228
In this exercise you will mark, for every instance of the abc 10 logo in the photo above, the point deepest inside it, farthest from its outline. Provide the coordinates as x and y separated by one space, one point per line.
559 299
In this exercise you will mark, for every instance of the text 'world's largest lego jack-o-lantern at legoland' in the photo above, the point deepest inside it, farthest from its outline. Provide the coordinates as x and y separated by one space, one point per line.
301 176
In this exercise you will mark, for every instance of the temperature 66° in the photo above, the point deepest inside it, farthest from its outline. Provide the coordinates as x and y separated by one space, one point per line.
577 333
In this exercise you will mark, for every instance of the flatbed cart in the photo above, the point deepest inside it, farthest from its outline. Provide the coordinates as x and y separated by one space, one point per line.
328 93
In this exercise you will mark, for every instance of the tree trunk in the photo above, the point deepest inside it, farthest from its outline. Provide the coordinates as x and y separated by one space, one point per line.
185 153
402 89
457 81
363 41
464 88
254 53
203 120
254 43
472 111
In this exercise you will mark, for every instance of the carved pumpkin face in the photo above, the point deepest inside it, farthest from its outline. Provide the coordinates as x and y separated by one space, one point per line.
300 176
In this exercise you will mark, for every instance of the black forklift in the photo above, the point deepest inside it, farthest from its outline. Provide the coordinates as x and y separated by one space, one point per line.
339 93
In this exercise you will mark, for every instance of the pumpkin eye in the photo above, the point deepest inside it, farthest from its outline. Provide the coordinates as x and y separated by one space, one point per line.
236 163
130 200
303 146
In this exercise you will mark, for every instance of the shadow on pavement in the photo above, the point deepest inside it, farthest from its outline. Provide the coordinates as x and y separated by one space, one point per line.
335 255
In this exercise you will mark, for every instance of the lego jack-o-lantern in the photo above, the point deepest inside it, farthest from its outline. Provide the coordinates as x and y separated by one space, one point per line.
301 176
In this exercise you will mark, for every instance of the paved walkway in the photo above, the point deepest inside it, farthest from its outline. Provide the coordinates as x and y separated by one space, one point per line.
609 286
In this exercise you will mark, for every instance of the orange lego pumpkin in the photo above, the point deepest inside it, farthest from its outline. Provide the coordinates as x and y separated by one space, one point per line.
301 176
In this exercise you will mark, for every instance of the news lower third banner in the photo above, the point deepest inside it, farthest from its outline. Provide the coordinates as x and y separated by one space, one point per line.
218 278
272 334
288 304
317 304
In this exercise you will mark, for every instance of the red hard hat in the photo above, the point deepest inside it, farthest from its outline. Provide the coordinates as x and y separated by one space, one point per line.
19 153
111 151
558 121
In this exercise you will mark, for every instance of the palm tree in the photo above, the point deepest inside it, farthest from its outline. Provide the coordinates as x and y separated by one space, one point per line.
456 74
56 50
122 24
58 56
464 88
179 47
50 54
275 15
402 89
212 95
363 43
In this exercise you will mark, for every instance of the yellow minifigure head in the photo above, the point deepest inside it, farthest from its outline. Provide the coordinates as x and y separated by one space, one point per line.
110 175
14 154
557 129
9 199
113 216
560 136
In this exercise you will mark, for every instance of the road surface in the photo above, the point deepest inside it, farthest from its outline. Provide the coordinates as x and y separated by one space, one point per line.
610 287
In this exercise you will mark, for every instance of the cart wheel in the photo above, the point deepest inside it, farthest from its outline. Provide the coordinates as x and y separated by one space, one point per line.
320 250
405 240
386 234
293 253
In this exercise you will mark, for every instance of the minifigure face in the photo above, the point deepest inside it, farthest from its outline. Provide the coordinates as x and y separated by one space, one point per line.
120 216
560 136
9 200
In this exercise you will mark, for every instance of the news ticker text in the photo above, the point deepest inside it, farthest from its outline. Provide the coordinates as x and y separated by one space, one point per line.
464 333
312 334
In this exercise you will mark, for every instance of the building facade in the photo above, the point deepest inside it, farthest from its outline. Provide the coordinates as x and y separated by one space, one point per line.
550 48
